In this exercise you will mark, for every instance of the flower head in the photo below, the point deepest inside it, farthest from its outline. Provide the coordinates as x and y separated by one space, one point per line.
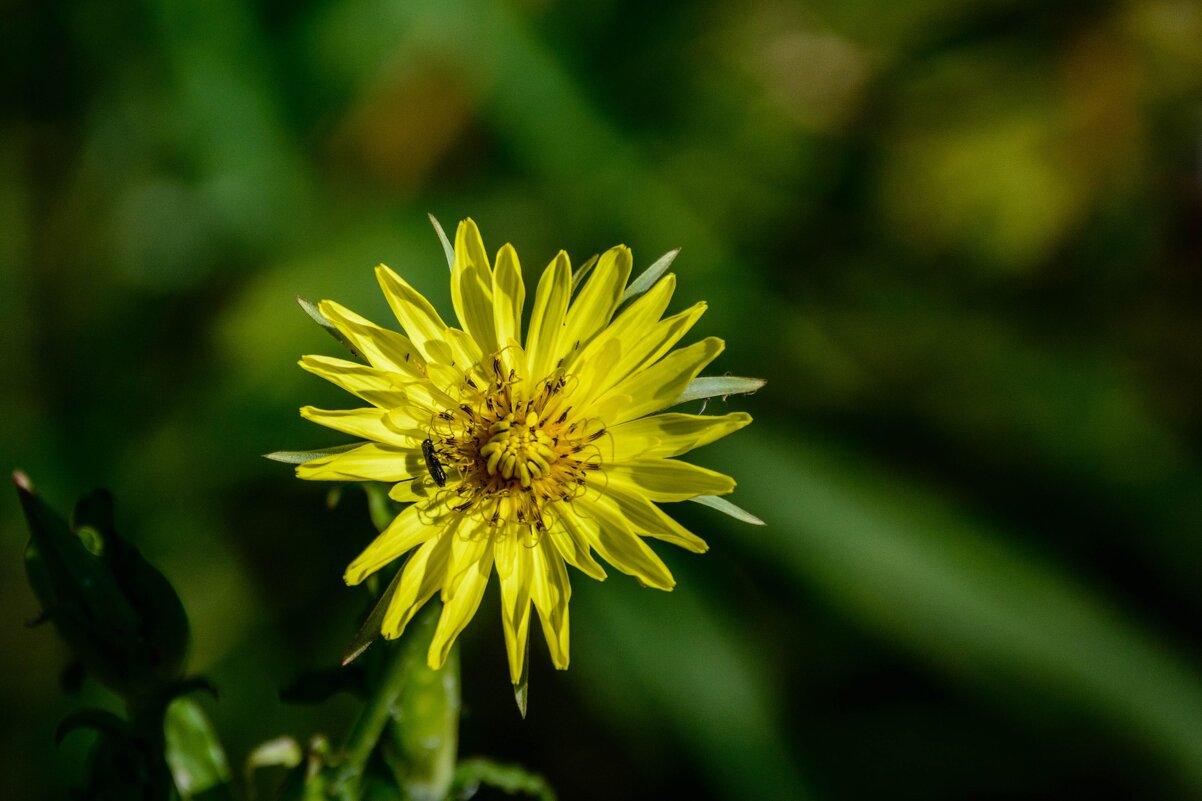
521 454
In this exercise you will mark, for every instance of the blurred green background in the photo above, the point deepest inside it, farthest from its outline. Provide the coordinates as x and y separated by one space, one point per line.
963 241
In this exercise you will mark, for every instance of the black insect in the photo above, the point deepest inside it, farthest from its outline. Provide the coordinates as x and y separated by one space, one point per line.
432 464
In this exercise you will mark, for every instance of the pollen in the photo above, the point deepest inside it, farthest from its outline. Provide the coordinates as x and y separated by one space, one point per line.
516 451
523 450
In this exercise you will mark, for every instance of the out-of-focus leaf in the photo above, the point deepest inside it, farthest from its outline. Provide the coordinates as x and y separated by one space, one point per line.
300 457
471 774
383 510
713 386
124 764
311 309
648 277
100 720
282 752
446 243
309 780
118 614
195 754
674 666
318 686
926 575
727 508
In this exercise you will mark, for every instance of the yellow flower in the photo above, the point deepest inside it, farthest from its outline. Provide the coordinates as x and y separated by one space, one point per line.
523 457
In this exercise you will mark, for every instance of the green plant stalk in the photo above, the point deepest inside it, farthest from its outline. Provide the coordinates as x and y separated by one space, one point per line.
421 708
424 735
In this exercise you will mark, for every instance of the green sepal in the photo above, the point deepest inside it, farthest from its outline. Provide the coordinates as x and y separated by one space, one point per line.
446 243
521 690
370 629
648 277
719 385
582 272
300 457
315 314
727 508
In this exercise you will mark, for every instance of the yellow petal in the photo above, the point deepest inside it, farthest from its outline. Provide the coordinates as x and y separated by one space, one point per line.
421 488
611 537
575 550
423 574
509 296
648 520
377 387
409 422
421 322
662 338
546 318
463 601
657 386
595 305
671 434
361 423
408 530
368 462
665 480
551 594
625 335
471 286
473 541
385 349
514 571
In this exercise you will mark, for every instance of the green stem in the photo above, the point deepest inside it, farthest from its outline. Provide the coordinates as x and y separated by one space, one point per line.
381 704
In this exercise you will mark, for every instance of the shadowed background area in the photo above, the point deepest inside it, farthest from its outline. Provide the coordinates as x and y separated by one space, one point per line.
962 241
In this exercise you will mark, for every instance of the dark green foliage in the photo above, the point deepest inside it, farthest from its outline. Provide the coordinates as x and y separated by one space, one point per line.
118 614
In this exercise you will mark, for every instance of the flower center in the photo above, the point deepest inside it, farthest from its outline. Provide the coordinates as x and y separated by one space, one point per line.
522 450
514 451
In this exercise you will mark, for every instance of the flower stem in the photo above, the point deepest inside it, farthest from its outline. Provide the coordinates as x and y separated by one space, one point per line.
420 705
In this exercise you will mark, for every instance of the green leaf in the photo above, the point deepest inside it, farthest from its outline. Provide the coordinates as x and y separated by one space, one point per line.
311 309
193 751
119 615
510 779
727 508
648 277
446 243
99 720
713 386
124 762
300 457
